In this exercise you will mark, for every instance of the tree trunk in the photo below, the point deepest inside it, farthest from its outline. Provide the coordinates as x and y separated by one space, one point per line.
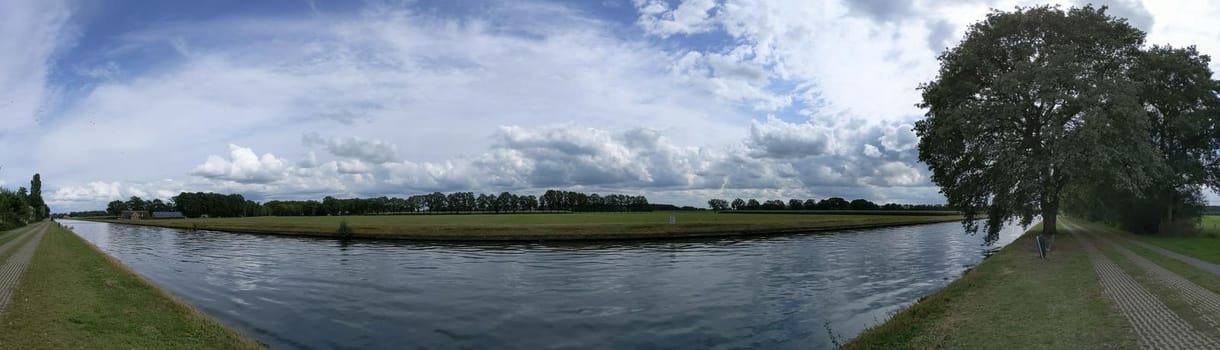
1049 221
1050 217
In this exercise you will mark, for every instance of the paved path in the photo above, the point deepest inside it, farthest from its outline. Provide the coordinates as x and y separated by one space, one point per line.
11 269
1156 326
1202 265
1205 302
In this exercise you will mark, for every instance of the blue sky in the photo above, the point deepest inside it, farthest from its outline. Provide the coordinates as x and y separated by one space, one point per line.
679 100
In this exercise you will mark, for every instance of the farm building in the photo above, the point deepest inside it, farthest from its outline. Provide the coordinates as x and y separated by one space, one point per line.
167 215
134 214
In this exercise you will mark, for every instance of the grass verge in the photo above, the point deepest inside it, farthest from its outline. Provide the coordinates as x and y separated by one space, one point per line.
1203 247
1012 300
580 226
74 296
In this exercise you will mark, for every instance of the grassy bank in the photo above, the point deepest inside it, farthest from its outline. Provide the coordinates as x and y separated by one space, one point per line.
547 226
1012 300
74 296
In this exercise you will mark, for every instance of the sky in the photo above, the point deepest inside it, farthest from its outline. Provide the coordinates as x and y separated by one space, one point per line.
681 101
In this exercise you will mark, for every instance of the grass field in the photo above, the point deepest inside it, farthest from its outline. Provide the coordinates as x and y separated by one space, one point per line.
1011 300
73 296
546 226
1205 246
1211 225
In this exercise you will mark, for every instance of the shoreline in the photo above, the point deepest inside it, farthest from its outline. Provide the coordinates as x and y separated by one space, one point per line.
1006 297
558 237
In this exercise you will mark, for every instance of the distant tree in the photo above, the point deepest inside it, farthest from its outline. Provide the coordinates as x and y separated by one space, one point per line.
795 204
40 207
116 207
862 204
810 204
773 204
753 204
718 204
738 204
834 203
136 203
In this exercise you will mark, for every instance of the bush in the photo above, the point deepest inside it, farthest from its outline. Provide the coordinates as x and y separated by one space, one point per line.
344 230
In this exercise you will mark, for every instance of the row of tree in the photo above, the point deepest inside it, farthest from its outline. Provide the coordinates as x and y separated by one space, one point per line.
833 203
1044 110
23 206
233 205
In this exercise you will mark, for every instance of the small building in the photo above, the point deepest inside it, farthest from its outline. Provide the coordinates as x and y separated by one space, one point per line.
167 215
134 214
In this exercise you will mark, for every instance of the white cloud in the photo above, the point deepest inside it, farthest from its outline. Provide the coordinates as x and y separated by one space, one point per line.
243 166
871 151
688 17
395 102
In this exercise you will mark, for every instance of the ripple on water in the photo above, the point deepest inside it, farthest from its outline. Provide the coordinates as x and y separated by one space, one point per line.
766 292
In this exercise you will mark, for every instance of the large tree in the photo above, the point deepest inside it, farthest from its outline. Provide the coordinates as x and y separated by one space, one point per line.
1028 102
1181 102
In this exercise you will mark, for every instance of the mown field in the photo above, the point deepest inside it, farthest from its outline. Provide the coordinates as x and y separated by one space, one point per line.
547 226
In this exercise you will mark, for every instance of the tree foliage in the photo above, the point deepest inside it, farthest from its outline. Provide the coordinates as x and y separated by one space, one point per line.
1031 102
1181 102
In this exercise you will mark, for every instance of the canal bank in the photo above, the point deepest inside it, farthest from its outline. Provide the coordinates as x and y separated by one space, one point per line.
1013 299
71 295
546 227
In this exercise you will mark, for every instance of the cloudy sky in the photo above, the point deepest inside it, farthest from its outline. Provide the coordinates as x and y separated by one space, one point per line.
677 100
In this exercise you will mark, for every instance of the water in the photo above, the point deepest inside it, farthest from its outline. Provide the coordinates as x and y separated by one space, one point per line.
764 292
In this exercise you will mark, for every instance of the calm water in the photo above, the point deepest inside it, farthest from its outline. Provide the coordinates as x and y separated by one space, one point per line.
769 292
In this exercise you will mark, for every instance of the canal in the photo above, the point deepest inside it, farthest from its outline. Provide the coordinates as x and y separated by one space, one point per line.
792 291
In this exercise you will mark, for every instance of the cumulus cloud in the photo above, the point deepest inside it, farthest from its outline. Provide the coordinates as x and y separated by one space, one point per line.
242 166
777 139
899 137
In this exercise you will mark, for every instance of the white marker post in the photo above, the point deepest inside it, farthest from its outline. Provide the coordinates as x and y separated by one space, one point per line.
673 220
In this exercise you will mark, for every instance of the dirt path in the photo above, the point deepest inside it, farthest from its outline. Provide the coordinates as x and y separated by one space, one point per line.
1156 326
11 269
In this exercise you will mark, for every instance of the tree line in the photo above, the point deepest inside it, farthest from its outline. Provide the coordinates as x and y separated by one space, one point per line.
832 203
209 204
23 206
1044 110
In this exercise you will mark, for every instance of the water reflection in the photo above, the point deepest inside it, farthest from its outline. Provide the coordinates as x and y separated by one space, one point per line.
772 292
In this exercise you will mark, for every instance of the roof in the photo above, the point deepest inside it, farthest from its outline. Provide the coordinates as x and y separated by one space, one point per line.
167 215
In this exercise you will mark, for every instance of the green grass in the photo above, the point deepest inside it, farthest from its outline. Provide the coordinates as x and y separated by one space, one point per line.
1012 300
1206 248
546 226
1210 225
73 296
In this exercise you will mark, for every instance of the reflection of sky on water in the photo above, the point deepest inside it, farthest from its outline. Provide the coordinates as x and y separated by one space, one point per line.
772 292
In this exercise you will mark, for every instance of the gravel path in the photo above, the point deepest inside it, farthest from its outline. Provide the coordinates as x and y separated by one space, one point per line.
1202 265
10 271
1156 326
